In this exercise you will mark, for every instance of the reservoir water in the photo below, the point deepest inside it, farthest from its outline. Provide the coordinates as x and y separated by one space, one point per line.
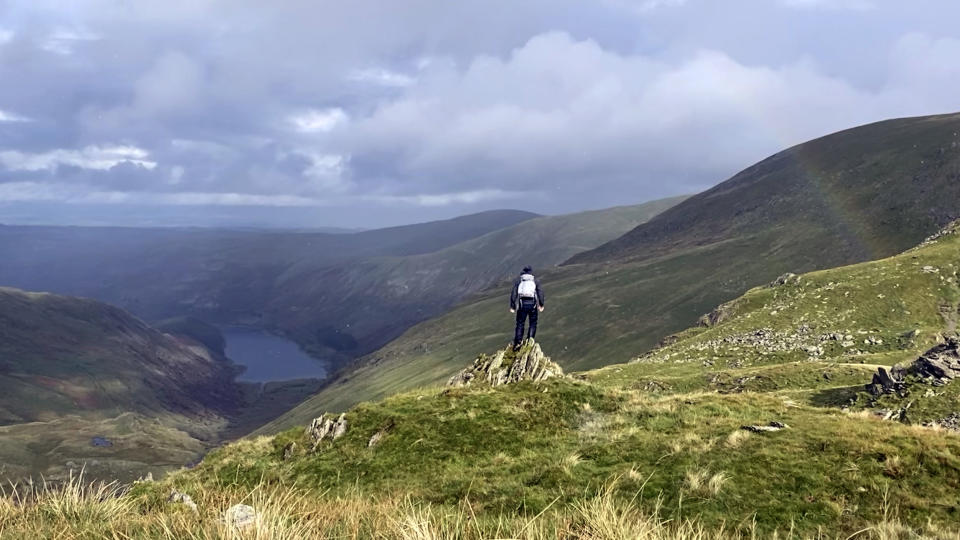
268 357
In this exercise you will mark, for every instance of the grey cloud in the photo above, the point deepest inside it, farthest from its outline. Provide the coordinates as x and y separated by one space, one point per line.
443 106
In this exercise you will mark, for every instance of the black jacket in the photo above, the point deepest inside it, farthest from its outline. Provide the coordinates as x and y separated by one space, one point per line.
515 294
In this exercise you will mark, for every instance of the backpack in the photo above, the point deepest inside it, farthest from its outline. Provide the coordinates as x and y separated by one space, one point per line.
527 287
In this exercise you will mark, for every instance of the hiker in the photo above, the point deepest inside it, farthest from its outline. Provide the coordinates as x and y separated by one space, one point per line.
526 300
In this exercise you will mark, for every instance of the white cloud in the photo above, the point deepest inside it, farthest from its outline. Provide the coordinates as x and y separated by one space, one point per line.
91 157
319 120
326 172
9 117
176 175
83 194
568 116
644 6
830 4
5 36
382 77
446 199
63 41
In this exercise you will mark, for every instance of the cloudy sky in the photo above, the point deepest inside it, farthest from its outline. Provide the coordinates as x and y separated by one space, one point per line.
375 112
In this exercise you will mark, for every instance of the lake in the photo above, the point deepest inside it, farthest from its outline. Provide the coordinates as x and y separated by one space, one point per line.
268 357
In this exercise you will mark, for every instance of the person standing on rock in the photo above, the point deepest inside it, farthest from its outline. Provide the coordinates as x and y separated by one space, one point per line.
526 300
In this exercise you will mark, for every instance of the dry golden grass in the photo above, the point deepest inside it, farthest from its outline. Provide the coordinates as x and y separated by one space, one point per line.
77 510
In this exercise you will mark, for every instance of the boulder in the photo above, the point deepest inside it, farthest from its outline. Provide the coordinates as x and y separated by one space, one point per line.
508 366
884 383
240 516
289 450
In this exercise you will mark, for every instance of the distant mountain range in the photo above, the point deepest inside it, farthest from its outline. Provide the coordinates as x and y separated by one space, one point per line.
340 296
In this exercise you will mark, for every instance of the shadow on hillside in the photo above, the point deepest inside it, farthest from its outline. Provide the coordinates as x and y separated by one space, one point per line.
835 397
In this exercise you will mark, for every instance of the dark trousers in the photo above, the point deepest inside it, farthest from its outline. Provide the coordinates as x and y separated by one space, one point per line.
524 310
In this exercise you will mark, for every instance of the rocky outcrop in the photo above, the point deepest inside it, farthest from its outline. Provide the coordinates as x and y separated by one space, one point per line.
937 366
509 366
717 316
941 363
786 279
324 427
884 383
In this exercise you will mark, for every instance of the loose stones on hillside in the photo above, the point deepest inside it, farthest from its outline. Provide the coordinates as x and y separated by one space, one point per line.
772 426
507 366
177 497
938 366
325 427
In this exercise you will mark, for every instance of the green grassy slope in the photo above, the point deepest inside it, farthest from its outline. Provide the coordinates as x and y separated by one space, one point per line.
861 193
852 196
72 369
668 425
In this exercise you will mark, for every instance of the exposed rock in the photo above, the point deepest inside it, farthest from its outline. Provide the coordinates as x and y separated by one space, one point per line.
772 426
380 434
325 427
938 366
508 366
941 362
240 516
717 316
883 383
786 279
177 497
145 479
289 450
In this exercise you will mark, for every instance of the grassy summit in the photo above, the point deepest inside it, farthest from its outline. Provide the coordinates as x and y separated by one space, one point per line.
660 438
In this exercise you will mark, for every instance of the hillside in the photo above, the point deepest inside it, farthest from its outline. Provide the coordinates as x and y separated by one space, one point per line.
372 300
81 380
852 196
339 296
757 422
